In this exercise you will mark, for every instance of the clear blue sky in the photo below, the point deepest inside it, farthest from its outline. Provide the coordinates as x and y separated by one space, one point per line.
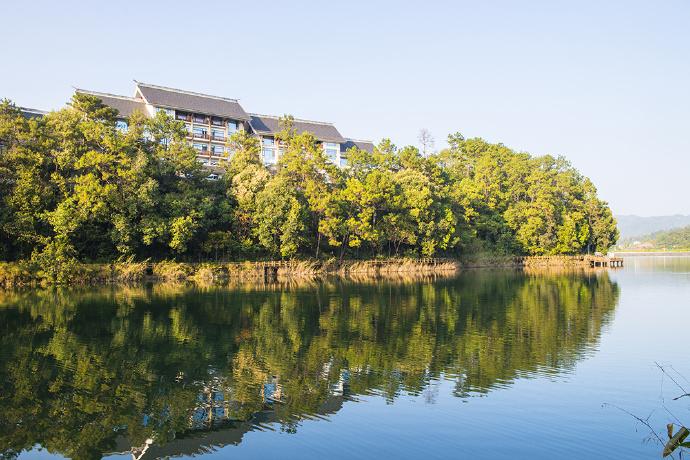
606 84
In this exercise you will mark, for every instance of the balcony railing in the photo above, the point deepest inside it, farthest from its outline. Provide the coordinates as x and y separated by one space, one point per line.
217 137
200 135
201 120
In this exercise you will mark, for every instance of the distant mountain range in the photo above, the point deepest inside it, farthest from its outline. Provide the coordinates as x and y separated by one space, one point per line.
632 226
677 239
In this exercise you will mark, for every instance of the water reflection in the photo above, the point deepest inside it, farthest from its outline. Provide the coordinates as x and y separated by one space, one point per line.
85 373
671 263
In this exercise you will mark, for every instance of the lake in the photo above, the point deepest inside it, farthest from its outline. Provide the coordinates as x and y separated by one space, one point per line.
485 364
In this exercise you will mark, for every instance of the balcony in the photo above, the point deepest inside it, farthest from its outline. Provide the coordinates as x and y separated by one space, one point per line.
201 120
218 137
203 135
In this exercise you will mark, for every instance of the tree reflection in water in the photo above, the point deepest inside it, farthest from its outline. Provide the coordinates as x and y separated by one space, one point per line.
86 372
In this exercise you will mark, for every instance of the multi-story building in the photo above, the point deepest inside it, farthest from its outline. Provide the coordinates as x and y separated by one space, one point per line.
210 120
367 146
268 126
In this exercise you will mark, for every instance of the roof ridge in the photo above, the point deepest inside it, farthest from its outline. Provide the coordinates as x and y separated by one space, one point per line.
358 140
184 91
98 93
29 109
327 123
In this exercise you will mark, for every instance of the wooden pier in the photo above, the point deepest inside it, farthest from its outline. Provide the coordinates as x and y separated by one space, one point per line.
604 261
582 260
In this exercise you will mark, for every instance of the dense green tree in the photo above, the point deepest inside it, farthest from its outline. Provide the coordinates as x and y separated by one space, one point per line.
75 186
26 169
303 166
281 218
246 176
533 205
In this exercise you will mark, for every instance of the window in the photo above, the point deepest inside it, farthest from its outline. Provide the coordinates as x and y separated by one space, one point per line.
182 116
200 118
200 132
216 121
121 125
343 162
217 149
268 141
200 147
232 127
218 134
269 156
331 149
332 155
169 112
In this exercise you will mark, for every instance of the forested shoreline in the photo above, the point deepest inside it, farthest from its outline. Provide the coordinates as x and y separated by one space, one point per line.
676 239
74 188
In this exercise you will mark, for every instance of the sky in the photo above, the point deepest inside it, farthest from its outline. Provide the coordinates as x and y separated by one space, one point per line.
605 84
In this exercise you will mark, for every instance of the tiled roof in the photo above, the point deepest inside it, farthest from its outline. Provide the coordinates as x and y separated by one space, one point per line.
192 102
123 104
362 145
32 113
267 124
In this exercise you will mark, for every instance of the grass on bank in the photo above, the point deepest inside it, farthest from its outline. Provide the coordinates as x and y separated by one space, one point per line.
26 273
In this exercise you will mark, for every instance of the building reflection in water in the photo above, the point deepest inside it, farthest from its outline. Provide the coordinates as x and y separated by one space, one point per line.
176 370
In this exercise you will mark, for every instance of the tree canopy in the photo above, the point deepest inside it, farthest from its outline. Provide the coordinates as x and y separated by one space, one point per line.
74 187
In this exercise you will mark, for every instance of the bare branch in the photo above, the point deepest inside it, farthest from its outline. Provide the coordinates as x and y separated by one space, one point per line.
643 421
685 392
427 141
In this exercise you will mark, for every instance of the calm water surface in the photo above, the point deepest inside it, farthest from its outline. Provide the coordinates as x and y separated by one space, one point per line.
488 364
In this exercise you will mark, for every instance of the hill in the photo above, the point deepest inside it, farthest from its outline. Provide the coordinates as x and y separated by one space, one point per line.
631 226
669 240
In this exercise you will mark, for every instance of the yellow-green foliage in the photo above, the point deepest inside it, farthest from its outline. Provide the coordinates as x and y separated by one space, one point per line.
16 273
211 273
398 266
72 171
302 267
128 270
172 271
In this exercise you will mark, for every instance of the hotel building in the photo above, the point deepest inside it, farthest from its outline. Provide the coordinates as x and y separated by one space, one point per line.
211 120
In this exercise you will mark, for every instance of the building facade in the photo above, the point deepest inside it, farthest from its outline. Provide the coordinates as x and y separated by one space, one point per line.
211 120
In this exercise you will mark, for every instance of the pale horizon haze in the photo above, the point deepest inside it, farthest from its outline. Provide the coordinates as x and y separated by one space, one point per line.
605 84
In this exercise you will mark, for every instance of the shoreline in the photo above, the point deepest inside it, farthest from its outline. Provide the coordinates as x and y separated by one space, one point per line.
683 253
25 274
